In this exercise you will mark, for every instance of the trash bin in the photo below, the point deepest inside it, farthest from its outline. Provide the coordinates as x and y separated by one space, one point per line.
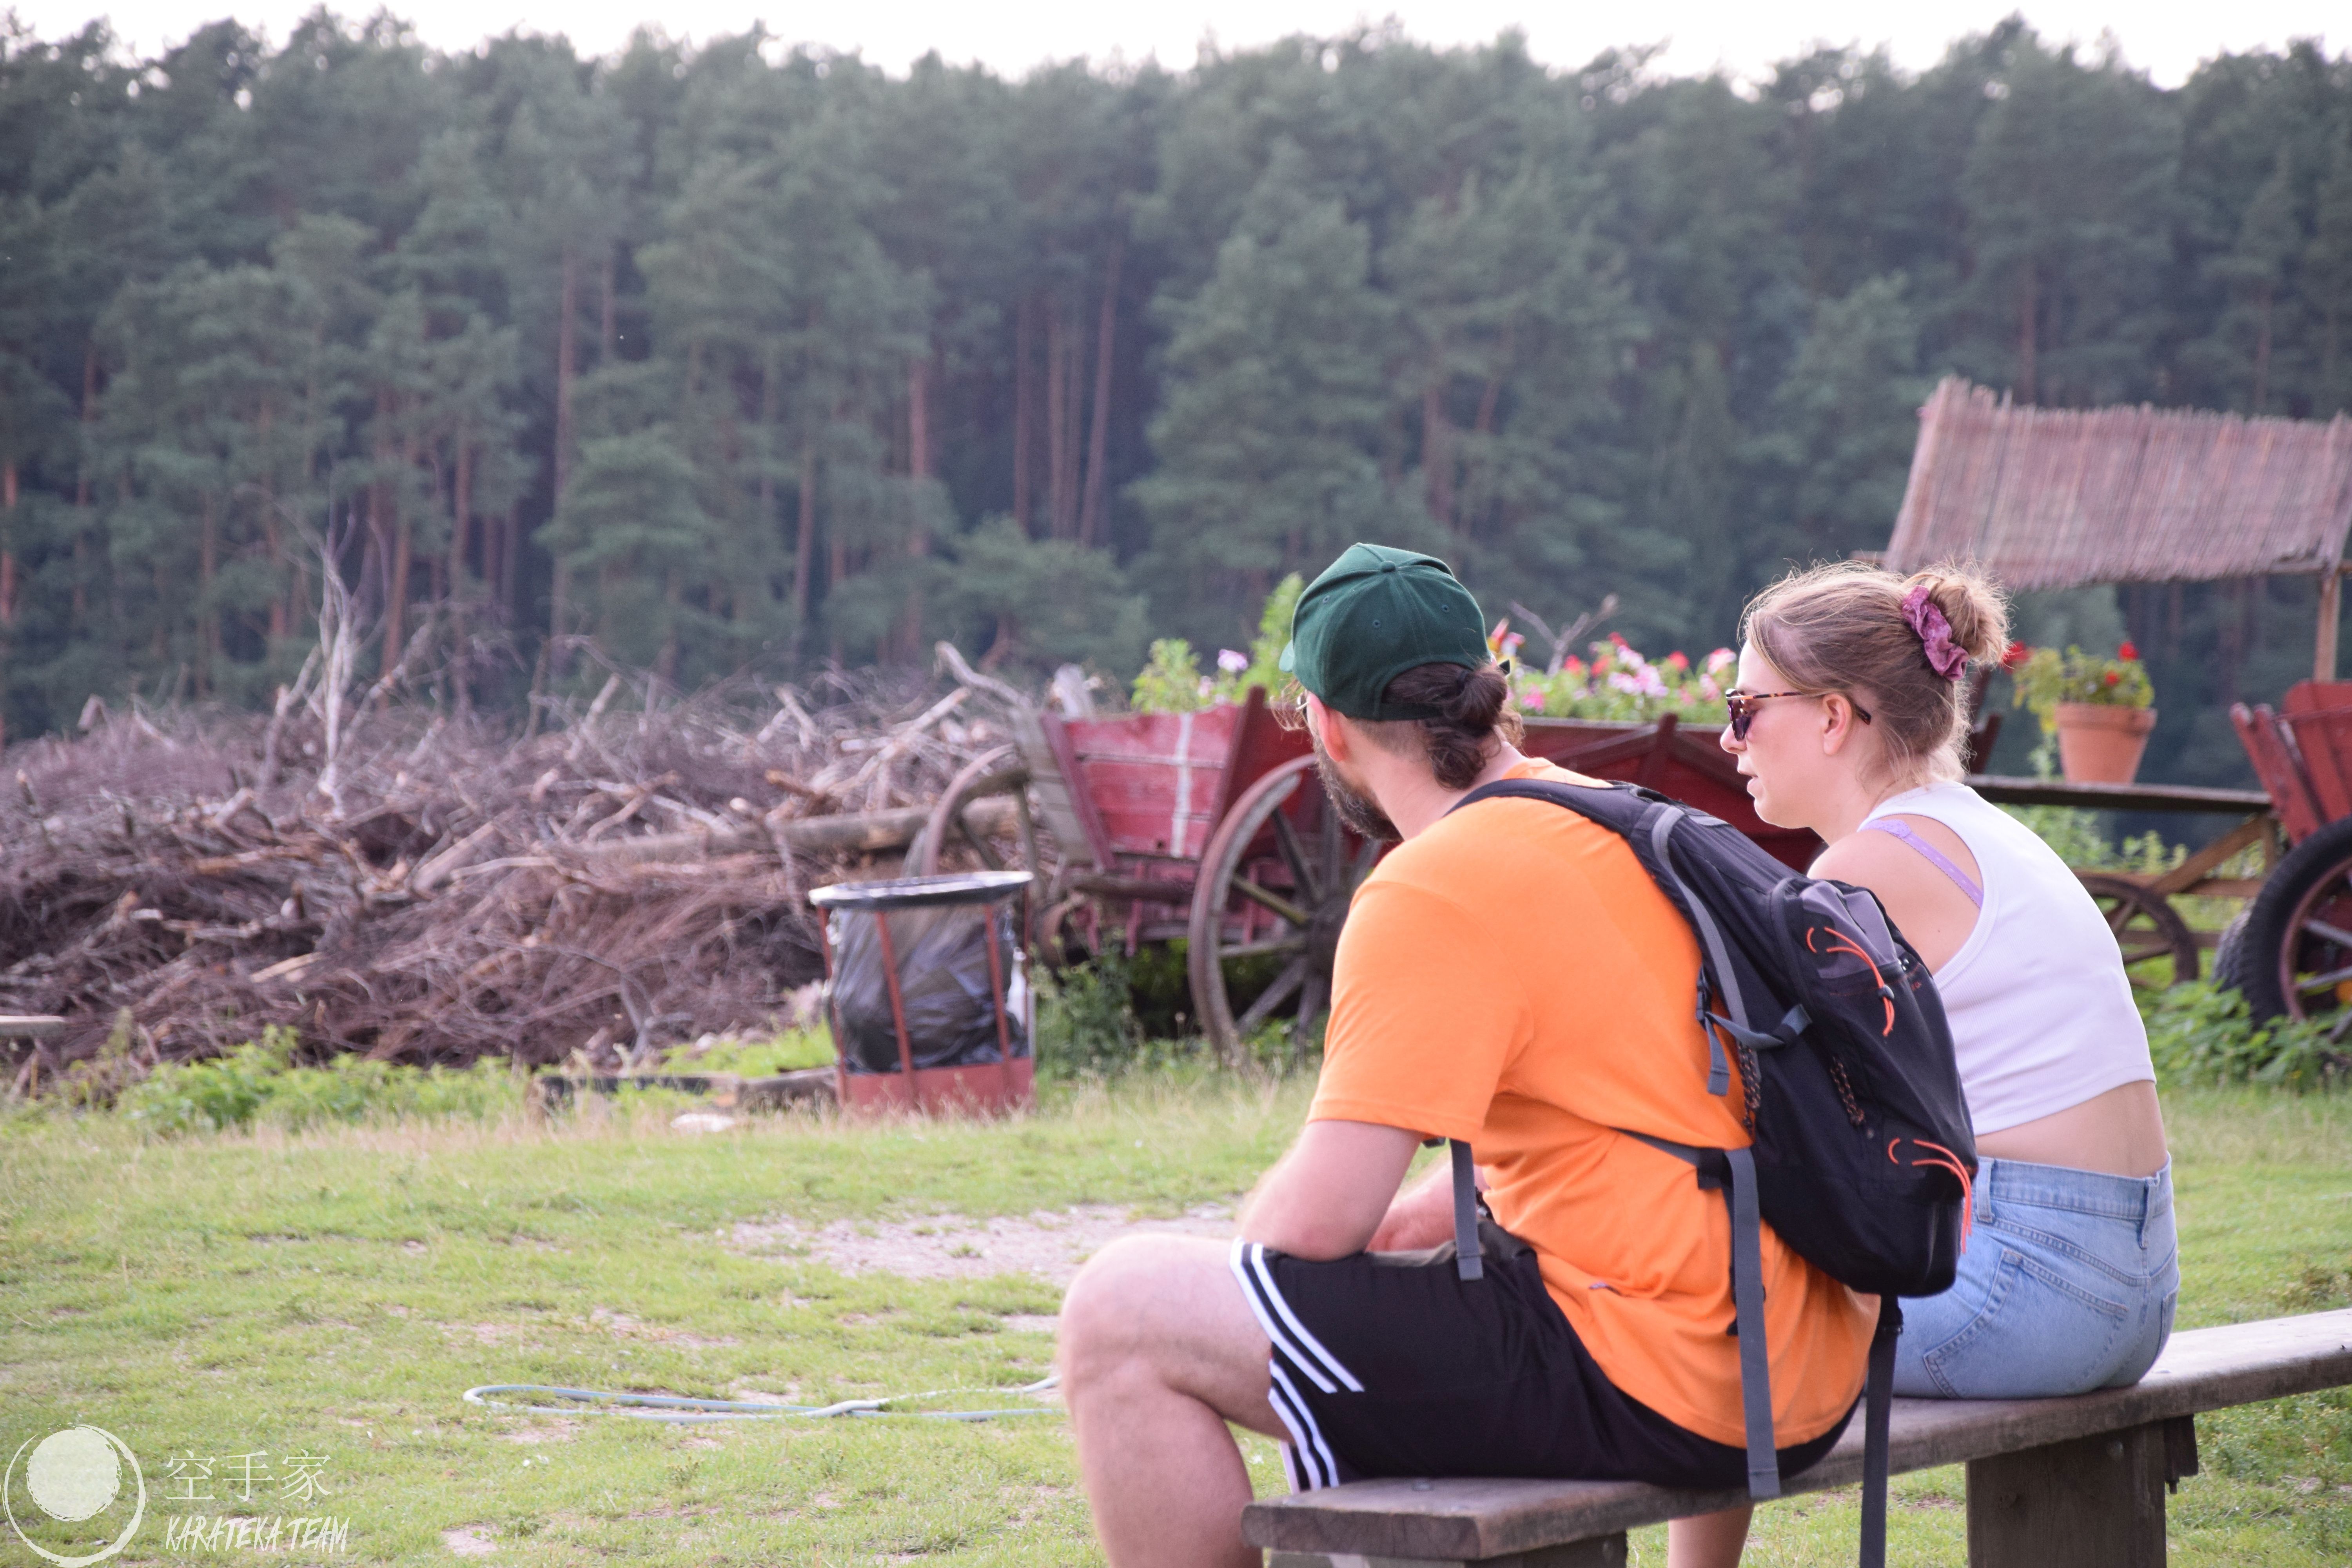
928 989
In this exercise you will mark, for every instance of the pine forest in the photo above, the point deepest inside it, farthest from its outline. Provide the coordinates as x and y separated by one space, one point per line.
742 358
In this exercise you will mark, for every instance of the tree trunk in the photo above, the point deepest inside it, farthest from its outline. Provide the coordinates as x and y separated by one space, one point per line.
510 557
804 544
1024 398
610 322
838 561
208 634
2263 349
280 611
8 546
769 376
395 610
666 662
1436 455
82 486
461 512
918 468
1057 433
567 349
2028 310
1091 527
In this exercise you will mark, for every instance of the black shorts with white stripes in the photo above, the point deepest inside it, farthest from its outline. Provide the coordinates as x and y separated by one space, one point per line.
1388 1364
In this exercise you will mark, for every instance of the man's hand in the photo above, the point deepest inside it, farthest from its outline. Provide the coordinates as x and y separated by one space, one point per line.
1326 1197
1420 1217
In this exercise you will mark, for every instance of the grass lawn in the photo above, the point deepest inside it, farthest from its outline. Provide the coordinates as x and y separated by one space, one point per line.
329 1297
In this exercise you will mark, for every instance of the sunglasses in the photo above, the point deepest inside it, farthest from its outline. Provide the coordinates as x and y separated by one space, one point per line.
1741 706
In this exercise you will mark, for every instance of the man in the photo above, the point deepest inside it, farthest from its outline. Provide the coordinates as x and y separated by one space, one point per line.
1509 976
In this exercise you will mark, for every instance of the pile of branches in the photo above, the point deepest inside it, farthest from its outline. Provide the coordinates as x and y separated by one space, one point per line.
391 881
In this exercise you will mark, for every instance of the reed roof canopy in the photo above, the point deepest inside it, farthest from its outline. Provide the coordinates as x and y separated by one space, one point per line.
2061 497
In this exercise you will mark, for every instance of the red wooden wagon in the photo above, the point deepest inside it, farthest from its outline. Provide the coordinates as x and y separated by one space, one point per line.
1211 828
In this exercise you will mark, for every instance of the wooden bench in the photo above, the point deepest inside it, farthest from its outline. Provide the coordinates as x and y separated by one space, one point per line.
2053 1483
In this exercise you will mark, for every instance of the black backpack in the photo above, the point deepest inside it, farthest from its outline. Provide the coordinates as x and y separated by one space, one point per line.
1862 1158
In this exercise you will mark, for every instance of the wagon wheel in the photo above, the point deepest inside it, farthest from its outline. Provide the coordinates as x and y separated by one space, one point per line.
2295 956
2146 928
1286 907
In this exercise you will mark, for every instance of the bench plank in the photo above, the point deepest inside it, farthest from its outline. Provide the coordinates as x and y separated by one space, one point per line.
1471 1521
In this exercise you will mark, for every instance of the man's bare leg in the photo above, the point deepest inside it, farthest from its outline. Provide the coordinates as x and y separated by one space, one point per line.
1707 1539
1159 1350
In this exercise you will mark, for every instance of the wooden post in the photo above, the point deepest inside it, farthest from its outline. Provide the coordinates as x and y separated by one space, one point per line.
2331 599
2093 1502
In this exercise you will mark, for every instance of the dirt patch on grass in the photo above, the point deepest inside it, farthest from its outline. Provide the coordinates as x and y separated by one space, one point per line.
472 1541
1048 1243
623 1326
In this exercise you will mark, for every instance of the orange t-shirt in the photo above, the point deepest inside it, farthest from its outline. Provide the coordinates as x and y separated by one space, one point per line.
1512 977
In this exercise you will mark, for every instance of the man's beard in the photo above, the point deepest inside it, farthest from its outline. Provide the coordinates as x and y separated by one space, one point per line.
1357 809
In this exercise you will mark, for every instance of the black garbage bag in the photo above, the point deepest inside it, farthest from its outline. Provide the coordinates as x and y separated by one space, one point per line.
944 986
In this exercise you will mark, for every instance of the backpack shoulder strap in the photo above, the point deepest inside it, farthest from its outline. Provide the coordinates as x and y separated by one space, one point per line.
1734 1171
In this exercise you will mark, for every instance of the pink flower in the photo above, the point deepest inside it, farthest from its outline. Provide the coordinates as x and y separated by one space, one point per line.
1532 701
1677 660
1721 659
1231 661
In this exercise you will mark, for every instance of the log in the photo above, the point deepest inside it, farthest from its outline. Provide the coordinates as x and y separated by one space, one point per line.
852 833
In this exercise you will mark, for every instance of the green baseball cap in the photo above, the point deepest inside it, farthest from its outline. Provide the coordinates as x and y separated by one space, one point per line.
1374 614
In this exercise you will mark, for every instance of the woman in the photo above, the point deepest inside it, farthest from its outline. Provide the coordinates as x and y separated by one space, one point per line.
1849 718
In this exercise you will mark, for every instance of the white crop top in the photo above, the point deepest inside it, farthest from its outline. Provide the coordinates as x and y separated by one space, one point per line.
2041 1009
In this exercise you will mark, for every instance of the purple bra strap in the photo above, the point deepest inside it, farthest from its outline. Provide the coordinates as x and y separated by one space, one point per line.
1935 857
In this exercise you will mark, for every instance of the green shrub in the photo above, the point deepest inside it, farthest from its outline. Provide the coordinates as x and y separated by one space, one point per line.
1085 1017
758 1055
259 1083
2201 1036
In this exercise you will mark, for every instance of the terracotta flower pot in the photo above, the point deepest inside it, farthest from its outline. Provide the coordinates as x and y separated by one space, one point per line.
2102 744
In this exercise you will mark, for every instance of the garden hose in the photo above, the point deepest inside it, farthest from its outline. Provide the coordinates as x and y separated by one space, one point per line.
681 1411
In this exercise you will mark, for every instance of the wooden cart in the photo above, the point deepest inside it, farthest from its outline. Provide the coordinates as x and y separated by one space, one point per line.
1211 827
2291 951
2159 947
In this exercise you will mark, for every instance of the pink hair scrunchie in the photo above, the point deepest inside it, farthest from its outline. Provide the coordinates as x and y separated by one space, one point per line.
1927 618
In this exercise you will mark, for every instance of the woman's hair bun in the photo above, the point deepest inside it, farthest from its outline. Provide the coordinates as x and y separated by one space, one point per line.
1975 608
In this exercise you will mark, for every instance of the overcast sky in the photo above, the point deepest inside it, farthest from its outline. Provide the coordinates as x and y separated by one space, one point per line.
2165 38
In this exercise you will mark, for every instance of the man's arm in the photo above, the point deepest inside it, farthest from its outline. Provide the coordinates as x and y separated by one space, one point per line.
1328 1196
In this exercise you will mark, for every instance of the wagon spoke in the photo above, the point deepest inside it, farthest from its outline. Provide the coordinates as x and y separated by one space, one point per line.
1266 899
1293 855
1293 976
2335 935
1288 944
1334 853
2326 982
1310 1003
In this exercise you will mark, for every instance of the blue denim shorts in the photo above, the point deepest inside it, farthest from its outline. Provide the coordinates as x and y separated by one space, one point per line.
2068 1283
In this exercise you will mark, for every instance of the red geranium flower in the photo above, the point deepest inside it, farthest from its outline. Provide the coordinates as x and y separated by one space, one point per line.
2127 650
1677 660
2016 654
2111 677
